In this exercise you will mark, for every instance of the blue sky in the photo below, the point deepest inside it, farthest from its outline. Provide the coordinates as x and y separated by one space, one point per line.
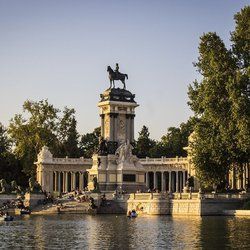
60 50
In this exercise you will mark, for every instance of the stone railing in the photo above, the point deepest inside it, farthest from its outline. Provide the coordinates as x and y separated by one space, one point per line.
165 160
185 196
148 196
76 161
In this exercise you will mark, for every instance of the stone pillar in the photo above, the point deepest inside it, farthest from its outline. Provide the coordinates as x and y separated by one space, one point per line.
63 182
81 184
102 124
170 181
51 188
177 182
59 182
115 120
128 127
74 180
132 127
111 128
184 179
66 182
155 180
163 185
56 182
147 184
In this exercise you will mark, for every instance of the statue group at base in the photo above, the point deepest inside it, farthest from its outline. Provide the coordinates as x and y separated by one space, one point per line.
124 154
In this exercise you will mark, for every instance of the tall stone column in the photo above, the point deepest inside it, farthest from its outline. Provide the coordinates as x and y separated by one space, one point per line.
184 179
63 182
155 180
163 186
147 184
177 181
170 181
115 120
74 180
56 182
51 188
59 182
102 124
66 182
111 128
81 181
132 127
128 127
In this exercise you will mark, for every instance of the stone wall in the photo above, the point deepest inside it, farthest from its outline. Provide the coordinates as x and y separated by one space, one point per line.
32 200
198 206
160 204
149 203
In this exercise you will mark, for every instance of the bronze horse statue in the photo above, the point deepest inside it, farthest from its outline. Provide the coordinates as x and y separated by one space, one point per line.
115 76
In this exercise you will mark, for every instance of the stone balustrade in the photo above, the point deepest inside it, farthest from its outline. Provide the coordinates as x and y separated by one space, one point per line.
71 161
165 160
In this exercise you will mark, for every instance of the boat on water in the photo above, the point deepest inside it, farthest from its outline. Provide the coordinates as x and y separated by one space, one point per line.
132 214
6 218
25 211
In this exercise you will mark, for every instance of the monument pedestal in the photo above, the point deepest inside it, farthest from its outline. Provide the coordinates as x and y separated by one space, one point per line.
115 167
112 175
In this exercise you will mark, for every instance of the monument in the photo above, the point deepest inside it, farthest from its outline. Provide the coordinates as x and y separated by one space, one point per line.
114 165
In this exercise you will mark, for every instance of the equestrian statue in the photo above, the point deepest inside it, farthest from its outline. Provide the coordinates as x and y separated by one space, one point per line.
116 75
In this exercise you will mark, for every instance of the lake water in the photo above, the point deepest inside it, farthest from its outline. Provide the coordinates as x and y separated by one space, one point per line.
119 232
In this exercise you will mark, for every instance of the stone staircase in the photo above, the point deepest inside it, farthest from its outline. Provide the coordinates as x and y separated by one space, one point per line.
65 207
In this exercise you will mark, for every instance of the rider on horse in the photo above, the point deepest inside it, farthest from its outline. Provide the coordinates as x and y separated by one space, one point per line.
117 69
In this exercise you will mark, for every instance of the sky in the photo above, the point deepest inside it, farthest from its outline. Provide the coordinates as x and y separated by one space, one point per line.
59 50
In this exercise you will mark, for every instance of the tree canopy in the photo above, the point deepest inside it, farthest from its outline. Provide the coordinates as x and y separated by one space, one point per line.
221 103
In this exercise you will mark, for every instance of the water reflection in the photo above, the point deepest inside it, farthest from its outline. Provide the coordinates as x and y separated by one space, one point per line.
119 232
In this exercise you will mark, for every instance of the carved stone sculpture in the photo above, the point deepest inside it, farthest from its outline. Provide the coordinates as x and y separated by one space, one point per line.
124 153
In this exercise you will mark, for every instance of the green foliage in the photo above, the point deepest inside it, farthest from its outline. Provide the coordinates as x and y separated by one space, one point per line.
170 145
30 134
89 142
177 138
246 205
41 125
10 167
221 105
144 144
68 135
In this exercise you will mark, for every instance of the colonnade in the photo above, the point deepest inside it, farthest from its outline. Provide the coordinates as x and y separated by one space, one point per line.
239 177
64 181
173 181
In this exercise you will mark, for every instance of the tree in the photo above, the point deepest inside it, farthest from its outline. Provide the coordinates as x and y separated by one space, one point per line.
10 167
68 135
221 105
144 144
30 134
172 144
89 142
